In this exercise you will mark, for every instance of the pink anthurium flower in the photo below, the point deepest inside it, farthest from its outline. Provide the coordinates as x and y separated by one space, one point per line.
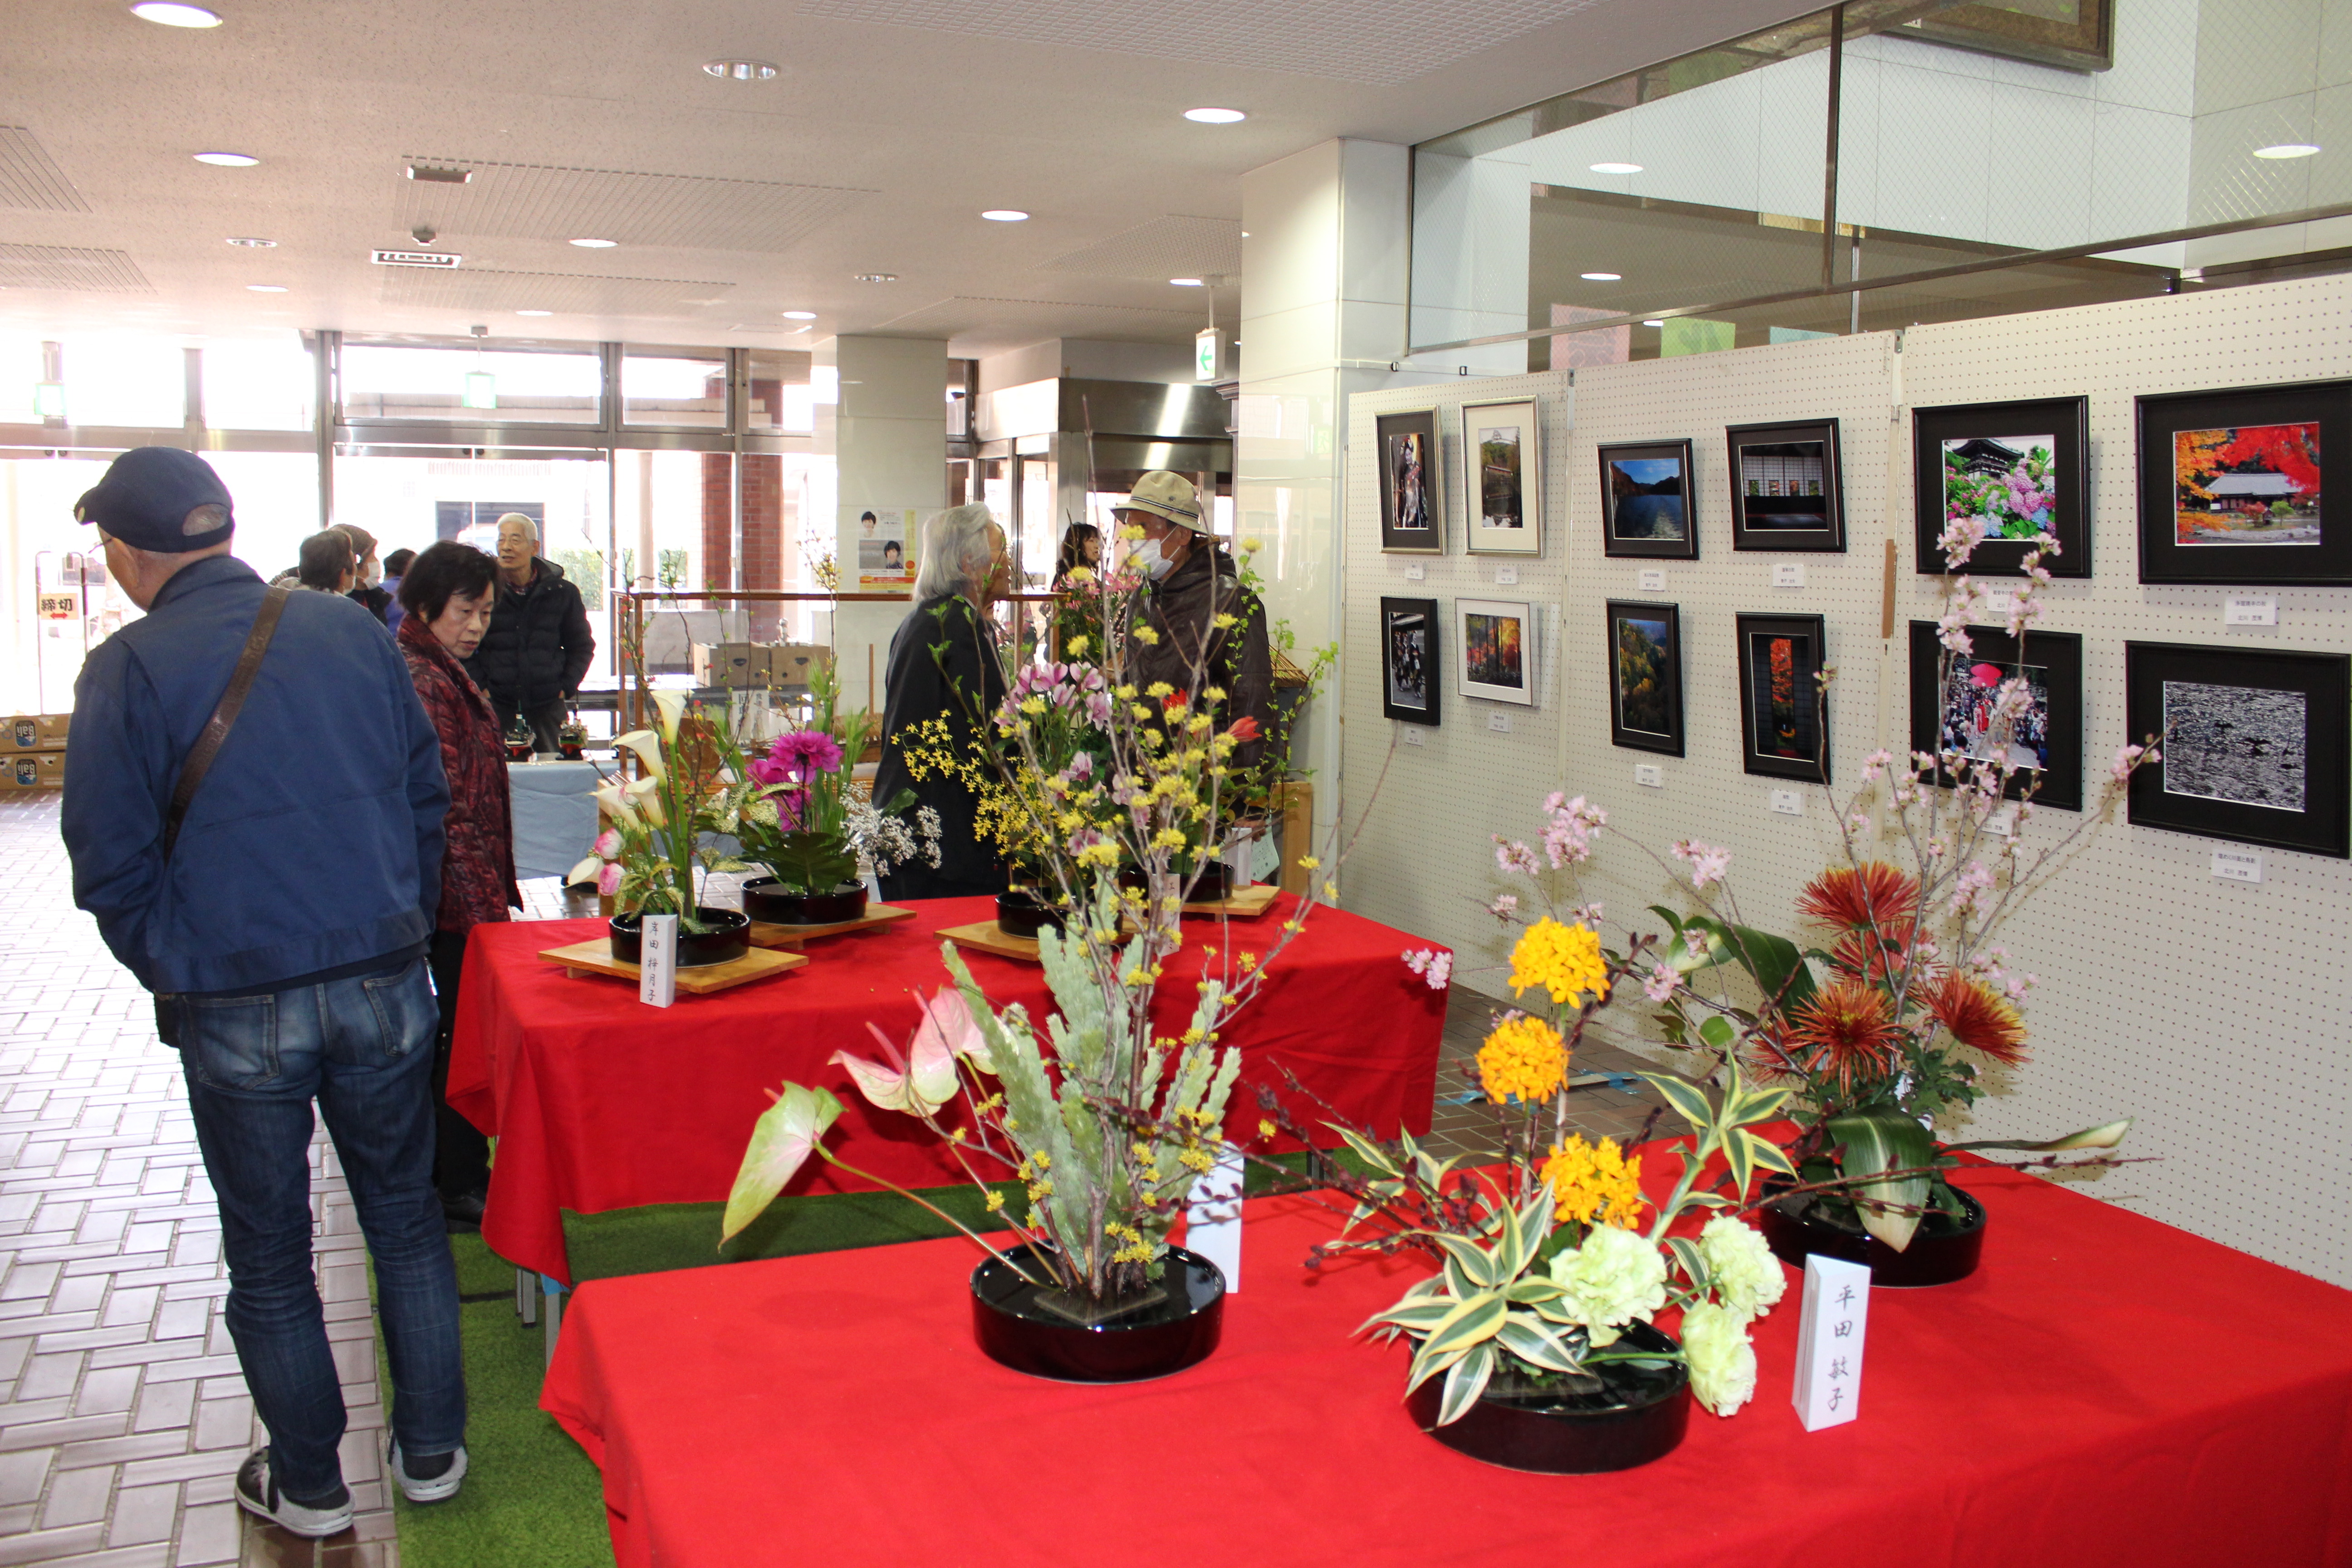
923 1078
785 1137
607 845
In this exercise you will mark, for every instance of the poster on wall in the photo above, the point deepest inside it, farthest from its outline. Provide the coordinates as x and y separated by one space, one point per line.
1498 649
885 548
1785 488
2232 486
1412 505
1503 477
1647 505
1645 677
2045 737
2255 744
1409 661
2021 468
1783 722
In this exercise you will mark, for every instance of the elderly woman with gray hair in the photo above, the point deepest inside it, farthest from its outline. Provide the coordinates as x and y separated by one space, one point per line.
960 570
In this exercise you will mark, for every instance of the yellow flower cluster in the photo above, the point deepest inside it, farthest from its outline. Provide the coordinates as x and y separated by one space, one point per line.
1136 1250
1563 960
1523 1057
1594 1186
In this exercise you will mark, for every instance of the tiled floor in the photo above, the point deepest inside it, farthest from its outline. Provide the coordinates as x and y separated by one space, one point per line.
1614 1107
122 1416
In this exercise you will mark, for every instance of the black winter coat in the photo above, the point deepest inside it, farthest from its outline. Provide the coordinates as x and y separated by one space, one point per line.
539 644
963 682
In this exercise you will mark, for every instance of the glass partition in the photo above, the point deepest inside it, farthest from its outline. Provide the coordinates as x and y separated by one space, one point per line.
450 384
267 384
678 389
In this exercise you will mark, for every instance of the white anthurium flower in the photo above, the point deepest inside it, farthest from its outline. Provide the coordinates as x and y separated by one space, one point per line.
587 870
647 746
671 706
614 799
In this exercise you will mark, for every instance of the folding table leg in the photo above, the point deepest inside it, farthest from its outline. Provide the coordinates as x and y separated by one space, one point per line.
554 1294
527 1297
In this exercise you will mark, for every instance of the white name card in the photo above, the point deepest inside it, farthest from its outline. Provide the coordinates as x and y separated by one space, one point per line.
657 960
2238 865
2251 610
1213 1218
1415 571
1829 1341
1653 580
1788 575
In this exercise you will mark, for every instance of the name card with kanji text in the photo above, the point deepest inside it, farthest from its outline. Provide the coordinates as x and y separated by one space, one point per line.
1829 1341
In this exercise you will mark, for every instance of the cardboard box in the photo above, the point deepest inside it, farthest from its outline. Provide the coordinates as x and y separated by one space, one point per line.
726 664
790 664
33 770
38 731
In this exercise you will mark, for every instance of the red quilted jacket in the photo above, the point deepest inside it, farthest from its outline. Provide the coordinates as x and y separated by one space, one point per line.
477 879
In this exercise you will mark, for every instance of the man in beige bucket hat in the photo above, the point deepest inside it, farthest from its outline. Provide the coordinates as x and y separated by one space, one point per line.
1193 581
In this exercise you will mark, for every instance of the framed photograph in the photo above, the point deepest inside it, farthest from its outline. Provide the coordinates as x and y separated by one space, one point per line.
1498 649
1784 727
1645 677
2022 467
1413 503
1648 507
2048 735
1502 476
1409 661
2231 483
1785 492
2255 744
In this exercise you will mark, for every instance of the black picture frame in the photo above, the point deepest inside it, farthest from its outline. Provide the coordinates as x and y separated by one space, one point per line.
2058 654
2206 785
1396 658
1648 720
2174 548
1413 506
1771 720
1617 488
1802 453
1975 434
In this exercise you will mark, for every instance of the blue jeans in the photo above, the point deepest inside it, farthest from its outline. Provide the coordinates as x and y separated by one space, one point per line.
364 1048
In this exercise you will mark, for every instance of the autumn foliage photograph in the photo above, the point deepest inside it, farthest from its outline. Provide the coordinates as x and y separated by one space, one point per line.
2248 484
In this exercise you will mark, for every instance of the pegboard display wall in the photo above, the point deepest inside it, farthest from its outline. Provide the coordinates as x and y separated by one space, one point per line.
2218 1013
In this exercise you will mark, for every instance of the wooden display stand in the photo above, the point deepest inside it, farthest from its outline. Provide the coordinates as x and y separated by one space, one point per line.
595 957
988 937
1246 905
765 934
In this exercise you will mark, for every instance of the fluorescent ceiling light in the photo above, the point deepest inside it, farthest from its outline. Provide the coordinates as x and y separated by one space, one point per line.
1657 323
534 313
595 244
1186 282
228 160
251 244
1602 276
1616 168
800 315
2287 150
434 174
874 278
267 288
1215 116
1006 215
740 70
171 14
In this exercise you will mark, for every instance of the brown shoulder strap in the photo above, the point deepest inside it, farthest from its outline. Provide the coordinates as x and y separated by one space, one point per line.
217 728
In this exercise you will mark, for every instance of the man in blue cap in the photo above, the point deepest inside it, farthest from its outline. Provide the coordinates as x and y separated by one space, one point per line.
254 815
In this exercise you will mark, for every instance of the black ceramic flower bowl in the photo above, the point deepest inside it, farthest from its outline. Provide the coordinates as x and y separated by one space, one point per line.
1174 1324
1216 883
1637 1415
1942 1249
766 901
728 938
1023 913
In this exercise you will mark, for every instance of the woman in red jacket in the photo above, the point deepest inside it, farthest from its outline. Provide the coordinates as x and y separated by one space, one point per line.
447 594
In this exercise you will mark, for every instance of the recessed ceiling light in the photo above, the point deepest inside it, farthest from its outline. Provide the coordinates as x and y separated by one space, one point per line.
534 313
1186 282
252 244
228 160
172 15
267 288
1602 276
2287 150
800 315
1657 323
874 278
1006 215
1616 168
595 244
434 174
740 70
1215 116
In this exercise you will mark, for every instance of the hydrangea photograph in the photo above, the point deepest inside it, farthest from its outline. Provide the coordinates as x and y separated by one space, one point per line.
2005 479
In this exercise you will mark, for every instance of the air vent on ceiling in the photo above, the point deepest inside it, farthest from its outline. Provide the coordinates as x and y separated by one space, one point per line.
440 260
434 174
28 178
71 266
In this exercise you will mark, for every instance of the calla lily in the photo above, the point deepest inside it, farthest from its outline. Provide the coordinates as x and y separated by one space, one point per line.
614 799
923 1078
782 1142
647 746
671 706
646 795
586 871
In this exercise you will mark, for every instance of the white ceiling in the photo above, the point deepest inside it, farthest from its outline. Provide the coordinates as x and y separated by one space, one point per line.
894 124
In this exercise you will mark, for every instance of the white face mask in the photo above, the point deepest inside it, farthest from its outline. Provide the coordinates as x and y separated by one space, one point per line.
373 573
1149 559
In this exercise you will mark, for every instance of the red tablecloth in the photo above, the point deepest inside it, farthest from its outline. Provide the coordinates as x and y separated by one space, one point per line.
599 1103
2106 1390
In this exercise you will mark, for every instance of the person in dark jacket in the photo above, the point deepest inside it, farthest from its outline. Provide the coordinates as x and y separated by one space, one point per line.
1193 586
367 573
284 935
450 590
394 564
944 664
539 645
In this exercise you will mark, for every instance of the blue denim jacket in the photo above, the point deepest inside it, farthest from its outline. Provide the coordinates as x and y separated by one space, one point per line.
315 841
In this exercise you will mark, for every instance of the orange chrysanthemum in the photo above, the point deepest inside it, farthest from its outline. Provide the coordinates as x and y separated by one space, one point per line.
1846 1032
1871 894
1976 1018
1875 956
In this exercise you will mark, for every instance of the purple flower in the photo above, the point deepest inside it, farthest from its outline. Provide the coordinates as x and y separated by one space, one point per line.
797 757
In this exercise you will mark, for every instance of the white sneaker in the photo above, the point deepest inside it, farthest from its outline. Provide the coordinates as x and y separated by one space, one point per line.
257 1492
435 1489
